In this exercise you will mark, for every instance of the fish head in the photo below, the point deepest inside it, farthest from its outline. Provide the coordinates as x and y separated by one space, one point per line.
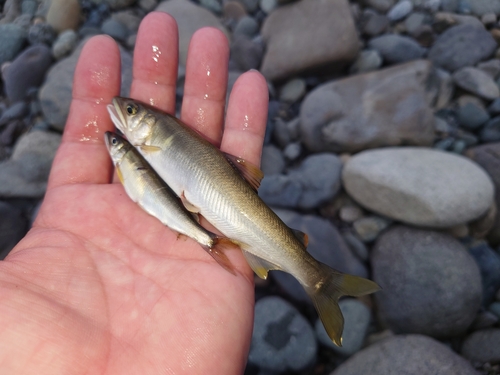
132 118
117 146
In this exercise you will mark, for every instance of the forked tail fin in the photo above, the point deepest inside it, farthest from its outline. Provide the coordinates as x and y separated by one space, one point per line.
330 286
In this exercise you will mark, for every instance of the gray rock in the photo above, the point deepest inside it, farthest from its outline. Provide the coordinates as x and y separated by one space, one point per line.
292 151
268 6
414 22
214 6
484 319
350 213
316 180
419 186
11 10
494 107
368 228
25 174
29 7
490 67
190 18
128 18
471 114
288 30
400 10
406 354
491 131
55 94
293 90
396 49
488 262
325 244
476 82
356 320
272 161
430 283
246 53
367 61
12 38
482 346
26 71
114 29
13 227
374 23
64 44
282 339
383 108
250 5
357 247
489 19
42 33
147 5
482 7
64 14
286 132
381 5
247 26
15 111
461 46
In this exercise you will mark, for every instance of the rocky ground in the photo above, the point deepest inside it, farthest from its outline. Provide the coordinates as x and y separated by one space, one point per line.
383 144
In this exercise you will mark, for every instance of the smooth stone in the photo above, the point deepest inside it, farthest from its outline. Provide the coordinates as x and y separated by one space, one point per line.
268 6
233 11
414 22
286 132
388 107
128 18
477 82
272 161
64 14
119 4
147 5
356 321
190 18
214 6
489 19
12 38
293 90
488 262
374 23
408 355
13 227
56 93
29 7
471 115
484 319
24 20
282 338
292 151
350 213
115 29
368 228
246 53
64 44
396 49
482 346
446 87
443 21
490 67
400 10
25 174
367 61
447 190
288 30
461 46
382 6
491 131
11 10
247 26
42 33
357 246
488 157
15 111
430 283
27 71
315 180
326 245
482 7
250 5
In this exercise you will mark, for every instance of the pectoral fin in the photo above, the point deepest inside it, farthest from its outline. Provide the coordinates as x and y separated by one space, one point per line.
258 265
149 149
189 206
250 172
301 236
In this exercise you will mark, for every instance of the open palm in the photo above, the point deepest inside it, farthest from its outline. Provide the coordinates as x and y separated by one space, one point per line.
98 286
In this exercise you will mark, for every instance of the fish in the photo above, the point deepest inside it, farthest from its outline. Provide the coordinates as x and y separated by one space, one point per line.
143 185
223 189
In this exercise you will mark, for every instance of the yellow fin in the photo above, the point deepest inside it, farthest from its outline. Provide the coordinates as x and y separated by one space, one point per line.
258 265
250 172
120 175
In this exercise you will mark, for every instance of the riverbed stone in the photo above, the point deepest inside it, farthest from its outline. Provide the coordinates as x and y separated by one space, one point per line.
406 354
288 30
396 49
419 186
12 38
477 82
64 14
483 346
389 107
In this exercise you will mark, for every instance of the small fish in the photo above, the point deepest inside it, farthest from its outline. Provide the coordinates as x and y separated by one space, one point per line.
146 188
208 182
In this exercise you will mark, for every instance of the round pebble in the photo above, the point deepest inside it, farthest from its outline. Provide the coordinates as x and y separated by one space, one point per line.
400 10
483 346
64 14
293 90
65 44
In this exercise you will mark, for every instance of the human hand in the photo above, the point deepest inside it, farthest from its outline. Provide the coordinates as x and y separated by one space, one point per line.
98 286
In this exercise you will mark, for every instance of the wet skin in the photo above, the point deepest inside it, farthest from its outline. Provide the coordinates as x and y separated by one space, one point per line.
98 286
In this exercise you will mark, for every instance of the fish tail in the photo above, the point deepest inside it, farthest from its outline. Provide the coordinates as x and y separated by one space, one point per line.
217 251
327 290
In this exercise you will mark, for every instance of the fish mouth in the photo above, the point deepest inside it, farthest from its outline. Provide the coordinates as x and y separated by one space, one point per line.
107 139
116 115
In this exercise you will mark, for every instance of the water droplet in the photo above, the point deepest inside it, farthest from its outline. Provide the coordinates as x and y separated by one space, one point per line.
156 53
151 101
205 96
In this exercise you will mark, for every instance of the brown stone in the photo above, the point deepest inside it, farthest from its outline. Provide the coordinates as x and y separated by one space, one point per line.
64 14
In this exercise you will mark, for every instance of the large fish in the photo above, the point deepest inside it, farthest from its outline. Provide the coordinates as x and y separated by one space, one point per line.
209 183
146 188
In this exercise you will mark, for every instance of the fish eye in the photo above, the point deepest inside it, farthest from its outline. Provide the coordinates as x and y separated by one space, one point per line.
114 141
131 109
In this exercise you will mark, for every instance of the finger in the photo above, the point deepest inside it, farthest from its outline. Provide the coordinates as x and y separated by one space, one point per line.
206 83
246 117
82 156
155 62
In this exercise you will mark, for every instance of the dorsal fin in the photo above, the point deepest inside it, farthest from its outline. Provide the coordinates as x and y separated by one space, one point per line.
301 236
250 172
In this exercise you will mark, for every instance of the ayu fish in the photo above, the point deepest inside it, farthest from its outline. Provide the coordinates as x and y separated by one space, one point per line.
146 188
208 181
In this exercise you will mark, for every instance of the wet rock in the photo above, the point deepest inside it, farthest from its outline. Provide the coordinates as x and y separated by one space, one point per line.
55 94
273 161
325 244
287 30
396 49
419 186
12 38
282 339
383 108
489 265
26 71
25 174
315 181
461 46
406 354
190 18
64 14
400 10
13 226
42 33
482 346
477 82
356 320
430 284
367 61
65 44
